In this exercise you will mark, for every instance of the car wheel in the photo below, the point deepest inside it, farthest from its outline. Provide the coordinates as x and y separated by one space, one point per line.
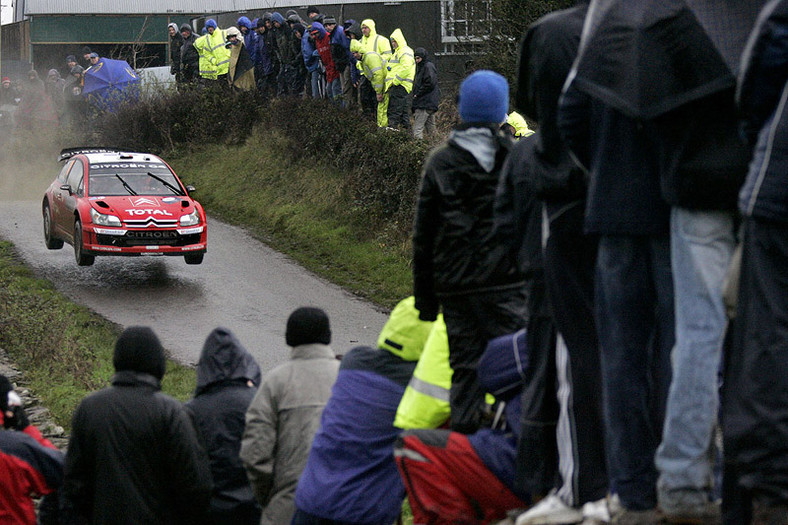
193 258
50 240
82 258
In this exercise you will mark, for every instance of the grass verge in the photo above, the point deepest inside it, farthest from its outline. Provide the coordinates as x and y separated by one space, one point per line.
301 209
64 349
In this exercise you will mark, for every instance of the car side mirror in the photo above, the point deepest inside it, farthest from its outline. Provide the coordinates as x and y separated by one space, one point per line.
190 188
66 187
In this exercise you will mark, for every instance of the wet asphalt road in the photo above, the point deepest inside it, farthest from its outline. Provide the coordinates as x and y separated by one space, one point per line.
242 285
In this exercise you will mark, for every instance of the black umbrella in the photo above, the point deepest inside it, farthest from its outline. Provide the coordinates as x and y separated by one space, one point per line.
648 57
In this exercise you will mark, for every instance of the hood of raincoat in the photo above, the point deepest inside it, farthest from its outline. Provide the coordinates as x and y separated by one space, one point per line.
245 22
317 26
404 334
211 23
355 29
276 17
399 37
224 358
371 25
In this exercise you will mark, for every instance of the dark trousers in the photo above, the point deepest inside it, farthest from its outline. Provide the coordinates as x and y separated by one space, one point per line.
471 321
369 101
537 453
399 116
634 317
570 261
755 384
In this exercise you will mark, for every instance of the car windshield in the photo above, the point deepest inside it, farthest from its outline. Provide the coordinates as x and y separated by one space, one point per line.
138 179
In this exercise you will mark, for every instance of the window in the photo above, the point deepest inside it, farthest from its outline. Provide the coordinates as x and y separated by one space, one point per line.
75 178
465 25
62 176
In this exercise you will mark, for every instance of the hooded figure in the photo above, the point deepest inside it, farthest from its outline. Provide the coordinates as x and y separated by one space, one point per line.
137 440
285 414
176 41
36 110
401 70
227 380
426 94
190 59
350 476
241 72
54 89
250 36
373 41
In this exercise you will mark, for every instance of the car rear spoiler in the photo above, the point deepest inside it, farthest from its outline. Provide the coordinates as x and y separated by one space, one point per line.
67 153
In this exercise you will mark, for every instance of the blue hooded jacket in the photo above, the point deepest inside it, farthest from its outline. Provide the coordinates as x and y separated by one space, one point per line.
250 38
276 17
308 49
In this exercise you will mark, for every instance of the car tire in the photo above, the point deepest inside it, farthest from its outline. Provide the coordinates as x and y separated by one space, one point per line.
194 258
79 255
52 242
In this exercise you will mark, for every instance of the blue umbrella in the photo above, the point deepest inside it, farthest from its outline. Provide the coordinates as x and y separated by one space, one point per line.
109 83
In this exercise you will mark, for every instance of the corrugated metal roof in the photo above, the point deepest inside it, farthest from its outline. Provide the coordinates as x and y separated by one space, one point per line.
148 7
125 7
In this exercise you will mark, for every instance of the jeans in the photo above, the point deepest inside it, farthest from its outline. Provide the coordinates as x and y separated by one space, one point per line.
702 244
317 88
423 119
634 317
334 91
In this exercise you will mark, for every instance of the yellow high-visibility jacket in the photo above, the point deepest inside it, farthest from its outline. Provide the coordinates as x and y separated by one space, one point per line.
207 69
402 65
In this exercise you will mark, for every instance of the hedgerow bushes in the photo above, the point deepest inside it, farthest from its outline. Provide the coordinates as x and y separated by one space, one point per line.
381 166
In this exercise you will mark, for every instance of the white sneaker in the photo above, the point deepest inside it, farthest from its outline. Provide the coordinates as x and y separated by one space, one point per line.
550 510
596 512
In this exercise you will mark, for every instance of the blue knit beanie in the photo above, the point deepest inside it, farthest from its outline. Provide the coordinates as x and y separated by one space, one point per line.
484 97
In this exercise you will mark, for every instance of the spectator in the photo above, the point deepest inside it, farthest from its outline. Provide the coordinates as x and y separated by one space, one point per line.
190 58
549 48
75 103
340 54
35 112
401 70
373 41
351 75
94 59
227 379
299 77
322 41
375 75
241 71
312 65
53 87
249 36
176 42
273 49
633 287
71 61
516 126
263 68
9 94
285 414
134 455
215 55
703 238
350 476
86 52
290 55
313 14
202 45
754 384
455 264
30 466
452 478
426 94
366 94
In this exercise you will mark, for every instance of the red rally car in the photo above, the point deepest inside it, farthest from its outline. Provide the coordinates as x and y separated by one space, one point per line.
108 202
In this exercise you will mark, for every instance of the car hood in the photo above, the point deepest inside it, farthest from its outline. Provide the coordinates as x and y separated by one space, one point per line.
143 207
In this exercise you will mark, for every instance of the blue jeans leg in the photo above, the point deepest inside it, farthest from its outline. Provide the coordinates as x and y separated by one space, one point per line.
702 244
634 315
315 84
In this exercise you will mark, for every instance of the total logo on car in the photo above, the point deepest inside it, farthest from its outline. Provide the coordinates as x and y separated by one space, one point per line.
108 202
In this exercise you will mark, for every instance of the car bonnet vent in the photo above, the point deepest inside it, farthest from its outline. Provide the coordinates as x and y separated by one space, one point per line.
102 204
126 156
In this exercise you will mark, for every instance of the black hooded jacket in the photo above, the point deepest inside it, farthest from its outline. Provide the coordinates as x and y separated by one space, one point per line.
547 53
189 57
134 457
218 407
426 94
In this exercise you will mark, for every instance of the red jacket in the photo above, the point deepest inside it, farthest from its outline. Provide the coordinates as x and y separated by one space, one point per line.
324 48
29 466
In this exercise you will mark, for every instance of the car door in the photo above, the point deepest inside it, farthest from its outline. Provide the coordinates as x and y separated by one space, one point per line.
75 181
59 197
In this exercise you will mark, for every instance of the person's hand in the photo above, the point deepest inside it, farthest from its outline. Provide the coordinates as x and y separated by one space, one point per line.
380 97
16 418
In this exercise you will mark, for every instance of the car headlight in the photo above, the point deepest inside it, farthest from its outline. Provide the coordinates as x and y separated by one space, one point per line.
191 219
104 220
